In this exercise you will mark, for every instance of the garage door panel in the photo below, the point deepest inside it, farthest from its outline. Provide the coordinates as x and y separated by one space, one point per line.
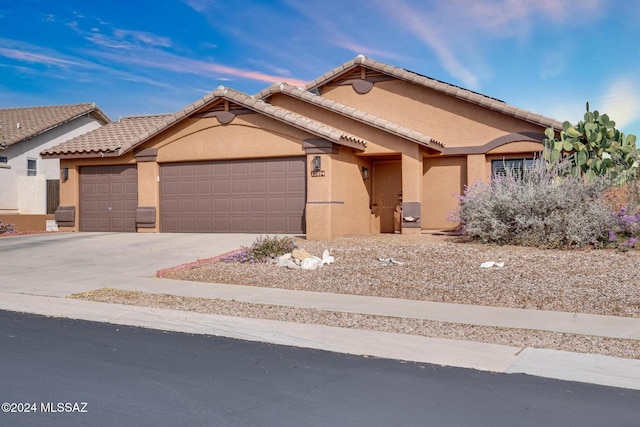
257 185
258 224
295 205
239 185
239 205
260 196
239 168
258 205
295 185
221 223
222 206
277 204
186 187
277 185
203 187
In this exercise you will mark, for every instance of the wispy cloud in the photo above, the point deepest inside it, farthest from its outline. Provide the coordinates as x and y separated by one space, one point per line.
142 37
621 101
25 52
416 21
201 6
23 56
503 17
462 34
358 49
155 59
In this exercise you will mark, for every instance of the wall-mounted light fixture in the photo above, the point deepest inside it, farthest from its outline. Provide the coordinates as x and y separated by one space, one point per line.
317 163
365 173
64 174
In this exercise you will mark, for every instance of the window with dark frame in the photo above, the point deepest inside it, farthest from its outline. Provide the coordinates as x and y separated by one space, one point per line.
32 167
499 167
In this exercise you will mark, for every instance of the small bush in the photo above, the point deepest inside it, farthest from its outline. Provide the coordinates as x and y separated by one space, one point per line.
626 230
537 207
262 250
6 228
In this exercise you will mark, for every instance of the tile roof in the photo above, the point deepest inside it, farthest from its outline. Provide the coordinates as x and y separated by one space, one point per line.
449 89
121 137
110 138
19 124
291 118
351 112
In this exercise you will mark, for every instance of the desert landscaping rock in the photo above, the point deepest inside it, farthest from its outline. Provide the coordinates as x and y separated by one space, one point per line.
442 269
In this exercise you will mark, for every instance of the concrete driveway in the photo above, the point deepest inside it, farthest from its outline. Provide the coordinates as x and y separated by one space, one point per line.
64 263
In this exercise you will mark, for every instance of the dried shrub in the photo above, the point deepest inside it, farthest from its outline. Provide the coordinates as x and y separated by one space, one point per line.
539 206
263 249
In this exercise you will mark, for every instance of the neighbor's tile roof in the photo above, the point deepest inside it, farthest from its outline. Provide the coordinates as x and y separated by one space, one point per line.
129 132
449 89
353 113
19 124
111 137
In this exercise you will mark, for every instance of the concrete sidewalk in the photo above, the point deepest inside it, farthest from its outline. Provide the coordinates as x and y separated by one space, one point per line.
40 271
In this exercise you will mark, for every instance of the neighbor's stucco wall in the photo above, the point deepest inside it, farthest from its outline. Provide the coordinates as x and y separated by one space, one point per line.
8 190
28 194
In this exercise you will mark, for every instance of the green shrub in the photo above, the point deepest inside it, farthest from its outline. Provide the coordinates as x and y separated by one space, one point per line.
537 207
262 250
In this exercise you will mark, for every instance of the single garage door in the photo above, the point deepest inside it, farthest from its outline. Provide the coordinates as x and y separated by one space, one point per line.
238 196
108 198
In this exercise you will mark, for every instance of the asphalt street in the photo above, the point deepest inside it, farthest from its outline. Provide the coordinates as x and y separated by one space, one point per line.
99 374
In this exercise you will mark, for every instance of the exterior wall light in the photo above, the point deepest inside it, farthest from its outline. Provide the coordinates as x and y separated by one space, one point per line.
365 173
317 163
64 174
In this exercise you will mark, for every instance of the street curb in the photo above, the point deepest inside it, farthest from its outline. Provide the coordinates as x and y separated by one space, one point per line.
555 364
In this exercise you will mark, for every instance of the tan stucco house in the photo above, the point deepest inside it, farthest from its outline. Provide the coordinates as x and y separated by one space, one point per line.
365 148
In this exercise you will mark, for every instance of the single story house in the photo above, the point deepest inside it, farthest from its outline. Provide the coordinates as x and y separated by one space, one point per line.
29 184
365 148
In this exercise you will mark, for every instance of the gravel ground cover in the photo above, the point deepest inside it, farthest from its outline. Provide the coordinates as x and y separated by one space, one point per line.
444 269
434 268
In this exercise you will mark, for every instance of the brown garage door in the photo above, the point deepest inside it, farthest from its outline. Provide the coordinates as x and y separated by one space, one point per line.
239 196
108 198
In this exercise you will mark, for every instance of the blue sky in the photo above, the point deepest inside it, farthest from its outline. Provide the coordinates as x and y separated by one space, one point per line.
149 56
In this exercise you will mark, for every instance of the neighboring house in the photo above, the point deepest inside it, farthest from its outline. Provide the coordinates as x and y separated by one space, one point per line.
365 148
29 184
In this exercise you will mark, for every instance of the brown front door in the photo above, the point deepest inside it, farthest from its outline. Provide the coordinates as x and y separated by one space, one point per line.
387 191
108 198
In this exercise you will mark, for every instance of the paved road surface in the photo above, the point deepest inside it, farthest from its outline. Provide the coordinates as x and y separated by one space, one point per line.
134 376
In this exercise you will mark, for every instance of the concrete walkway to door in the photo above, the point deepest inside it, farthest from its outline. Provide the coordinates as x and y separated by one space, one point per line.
40 271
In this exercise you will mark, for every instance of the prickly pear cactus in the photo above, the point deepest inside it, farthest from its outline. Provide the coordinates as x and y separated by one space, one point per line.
595 148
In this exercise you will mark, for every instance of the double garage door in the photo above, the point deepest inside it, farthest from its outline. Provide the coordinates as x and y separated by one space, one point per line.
242 196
